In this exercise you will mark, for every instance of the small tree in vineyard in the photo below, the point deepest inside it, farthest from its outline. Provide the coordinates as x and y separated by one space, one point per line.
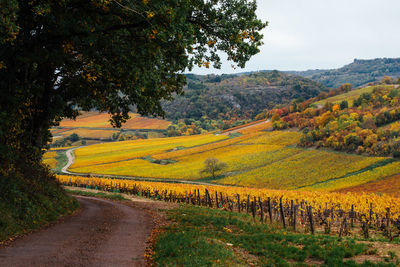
212 166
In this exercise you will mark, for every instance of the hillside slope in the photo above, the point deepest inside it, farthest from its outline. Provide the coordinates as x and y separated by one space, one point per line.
359 72
238 96
255 156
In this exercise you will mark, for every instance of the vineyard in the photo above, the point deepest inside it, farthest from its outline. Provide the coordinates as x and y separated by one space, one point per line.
303 211
254 156
349 96
94 127
390 186
102 120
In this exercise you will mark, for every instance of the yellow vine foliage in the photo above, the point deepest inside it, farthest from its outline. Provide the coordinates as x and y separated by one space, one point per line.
319 200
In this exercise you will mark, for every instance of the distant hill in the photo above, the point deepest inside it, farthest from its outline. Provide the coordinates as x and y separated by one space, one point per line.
358 73
238 96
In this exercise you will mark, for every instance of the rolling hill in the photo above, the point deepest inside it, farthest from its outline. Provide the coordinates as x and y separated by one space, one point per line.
95 127
255 157
359 72
238 96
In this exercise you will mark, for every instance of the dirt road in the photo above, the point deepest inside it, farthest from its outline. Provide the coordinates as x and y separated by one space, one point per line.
71 159
104 233
244 127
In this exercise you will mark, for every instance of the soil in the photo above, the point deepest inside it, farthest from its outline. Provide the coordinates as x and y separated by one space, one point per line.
104 233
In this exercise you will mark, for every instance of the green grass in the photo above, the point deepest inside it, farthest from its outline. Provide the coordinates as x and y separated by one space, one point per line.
28 202
207 237
62 160
93 194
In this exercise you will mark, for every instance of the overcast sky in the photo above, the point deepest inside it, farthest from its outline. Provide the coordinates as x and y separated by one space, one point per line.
323 34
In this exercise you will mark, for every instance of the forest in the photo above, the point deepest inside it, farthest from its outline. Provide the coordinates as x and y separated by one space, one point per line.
365 125
238 97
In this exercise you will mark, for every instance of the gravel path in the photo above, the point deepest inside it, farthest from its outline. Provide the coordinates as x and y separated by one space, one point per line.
104 233
71 158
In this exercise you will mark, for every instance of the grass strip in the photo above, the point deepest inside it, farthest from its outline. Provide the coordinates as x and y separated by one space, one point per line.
200 236
62 160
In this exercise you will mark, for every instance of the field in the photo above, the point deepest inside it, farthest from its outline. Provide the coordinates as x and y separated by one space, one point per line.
101 120
96 126
90 133
301 168
389 186
254 157
314 198
49 158
350 96
92 157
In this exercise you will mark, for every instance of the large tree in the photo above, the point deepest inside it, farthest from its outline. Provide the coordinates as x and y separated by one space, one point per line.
60 55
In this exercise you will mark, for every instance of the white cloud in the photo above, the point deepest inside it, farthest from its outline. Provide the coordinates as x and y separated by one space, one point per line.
304 34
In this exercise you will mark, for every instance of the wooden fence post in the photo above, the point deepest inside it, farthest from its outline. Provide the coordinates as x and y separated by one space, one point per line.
238 202
343 227
270 210
253 210
282 213
291 212
209 199
248 203
387 218
370 214
310 217
261 210
352 216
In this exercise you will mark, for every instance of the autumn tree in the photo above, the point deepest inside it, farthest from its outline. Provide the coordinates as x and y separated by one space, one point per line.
212 166
61 56
57 56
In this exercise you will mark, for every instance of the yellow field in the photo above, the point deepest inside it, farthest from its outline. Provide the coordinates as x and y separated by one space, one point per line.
361 202
359 179
49 158
61 148
258 158
101 120
302 168
351 95
90 133
122 151
241 153
390 186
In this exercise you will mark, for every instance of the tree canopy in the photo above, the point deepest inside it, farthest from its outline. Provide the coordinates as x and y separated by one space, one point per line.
212 166
60 55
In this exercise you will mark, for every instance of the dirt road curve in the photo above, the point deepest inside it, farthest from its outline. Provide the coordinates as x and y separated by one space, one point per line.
71 159
105 233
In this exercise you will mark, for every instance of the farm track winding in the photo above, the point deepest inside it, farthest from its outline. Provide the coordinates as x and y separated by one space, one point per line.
71 158
104 233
